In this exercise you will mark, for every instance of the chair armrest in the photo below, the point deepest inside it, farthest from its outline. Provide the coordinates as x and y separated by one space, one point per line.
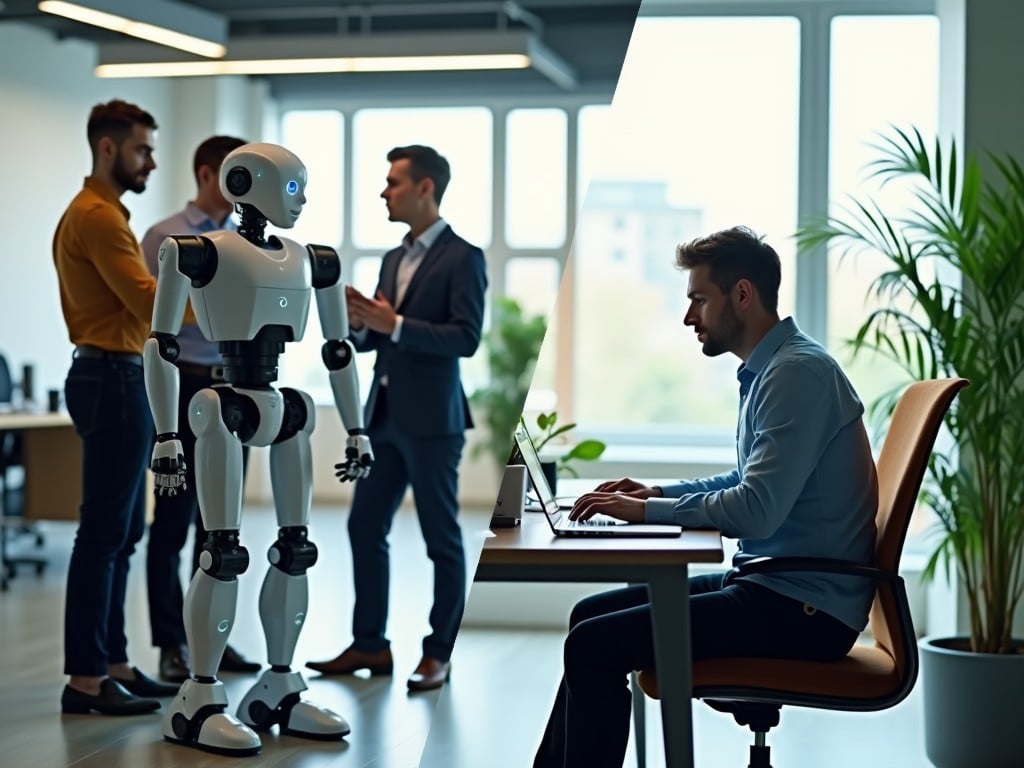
760 565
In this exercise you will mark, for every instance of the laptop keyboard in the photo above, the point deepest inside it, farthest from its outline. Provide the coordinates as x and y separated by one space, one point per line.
597 520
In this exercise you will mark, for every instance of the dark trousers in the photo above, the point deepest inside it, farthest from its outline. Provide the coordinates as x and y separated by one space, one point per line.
107 402
173 516
610 635
430 466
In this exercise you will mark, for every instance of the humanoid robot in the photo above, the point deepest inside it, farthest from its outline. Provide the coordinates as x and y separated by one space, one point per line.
251 294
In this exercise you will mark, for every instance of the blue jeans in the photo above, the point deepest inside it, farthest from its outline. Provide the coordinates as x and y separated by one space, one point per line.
107 402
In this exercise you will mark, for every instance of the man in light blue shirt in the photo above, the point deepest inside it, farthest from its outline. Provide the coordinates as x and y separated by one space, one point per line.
199 366
804 485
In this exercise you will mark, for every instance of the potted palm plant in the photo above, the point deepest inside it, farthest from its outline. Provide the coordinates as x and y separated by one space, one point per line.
512 345
970 225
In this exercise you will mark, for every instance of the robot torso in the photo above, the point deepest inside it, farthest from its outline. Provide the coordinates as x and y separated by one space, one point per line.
253 288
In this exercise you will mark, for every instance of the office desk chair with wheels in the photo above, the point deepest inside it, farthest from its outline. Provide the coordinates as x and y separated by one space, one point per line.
869 678
12 498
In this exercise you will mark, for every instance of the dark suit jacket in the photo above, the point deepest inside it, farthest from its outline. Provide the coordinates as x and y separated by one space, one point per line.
443 311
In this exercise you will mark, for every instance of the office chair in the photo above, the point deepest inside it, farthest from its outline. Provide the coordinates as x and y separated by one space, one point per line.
869 678
12 498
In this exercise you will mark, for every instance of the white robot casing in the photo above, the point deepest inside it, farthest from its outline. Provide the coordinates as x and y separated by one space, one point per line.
243 287
268 287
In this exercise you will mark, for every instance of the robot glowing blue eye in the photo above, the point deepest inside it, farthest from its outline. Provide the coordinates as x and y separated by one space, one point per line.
291 187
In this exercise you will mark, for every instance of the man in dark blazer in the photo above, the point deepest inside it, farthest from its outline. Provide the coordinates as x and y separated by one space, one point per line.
426 313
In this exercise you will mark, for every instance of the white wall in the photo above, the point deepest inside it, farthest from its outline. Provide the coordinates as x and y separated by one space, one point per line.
46 91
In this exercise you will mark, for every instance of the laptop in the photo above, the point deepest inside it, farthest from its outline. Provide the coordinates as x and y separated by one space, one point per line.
558 519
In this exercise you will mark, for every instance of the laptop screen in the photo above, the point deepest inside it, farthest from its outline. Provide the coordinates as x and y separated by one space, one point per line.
532 461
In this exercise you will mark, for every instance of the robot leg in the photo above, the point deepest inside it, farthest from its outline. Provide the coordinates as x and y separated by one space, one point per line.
284 596
197 717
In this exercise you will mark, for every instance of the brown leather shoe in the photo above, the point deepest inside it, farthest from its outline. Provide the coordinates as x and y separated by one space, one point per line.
430 674
351 660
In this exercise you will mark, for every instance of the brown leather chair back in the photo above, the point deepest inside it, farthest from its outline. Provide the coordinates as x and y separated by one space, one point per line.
915 423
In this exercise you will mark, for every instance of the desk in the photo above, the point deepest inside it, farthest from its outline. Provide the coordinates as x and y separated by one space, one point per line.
53 464
530 552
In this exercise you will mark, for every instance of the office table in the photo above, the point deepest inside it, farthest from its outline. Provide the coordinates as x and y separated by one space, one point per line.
530 552
53 463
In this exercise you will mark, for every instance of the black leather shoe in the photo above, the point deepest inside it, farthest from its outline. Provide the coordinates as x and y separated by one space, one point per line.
174 664
233 661
112 699
146 686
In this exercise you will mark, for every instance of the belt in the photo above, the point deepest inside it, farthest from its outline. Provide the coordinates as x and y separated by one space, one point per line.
97 353
210 372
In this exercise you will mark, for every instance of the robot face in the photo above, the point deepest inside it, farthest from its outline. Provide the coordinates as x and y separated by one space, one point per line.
268 177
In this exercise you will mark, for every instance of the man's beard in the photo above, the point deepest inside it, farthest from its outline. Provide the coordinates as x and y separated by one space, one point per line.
136 183
728 335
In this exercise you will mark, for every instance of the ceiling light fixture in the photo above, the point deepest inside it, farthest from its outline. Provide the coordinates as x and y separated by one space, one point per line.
279 55
166 22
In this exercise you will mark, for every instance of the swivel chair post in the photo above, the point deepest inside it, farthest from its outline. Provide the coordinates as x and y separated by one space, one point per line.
760 753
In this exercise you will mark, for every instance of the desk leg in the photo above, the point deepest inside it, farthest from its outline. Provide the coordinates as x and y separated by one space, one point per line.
671 618
639 721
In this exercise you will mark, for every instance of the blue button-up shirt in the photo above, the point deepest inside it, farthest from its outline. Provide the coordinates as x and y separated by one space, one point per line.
805 481
195 348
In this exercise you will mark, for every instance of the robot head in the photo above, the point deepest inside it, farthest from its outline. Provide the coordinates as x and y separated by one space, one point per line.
267 177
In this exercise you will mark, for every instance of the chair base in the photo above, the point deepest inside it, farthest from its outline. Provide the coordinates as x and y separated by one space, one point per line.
760 757
760 718
9 564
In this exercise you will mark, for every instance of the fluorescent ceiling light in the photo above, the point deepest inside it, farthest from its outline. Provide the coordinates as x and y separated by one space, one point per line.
313 65
160 21
279 55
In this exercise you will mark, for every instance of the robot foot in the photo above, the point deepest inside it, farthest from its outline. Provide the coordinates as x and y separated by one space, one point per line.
197 718
275 700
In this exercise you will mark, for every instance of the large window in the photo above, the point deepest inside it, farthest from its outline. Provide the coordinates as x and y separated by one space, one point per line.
701 135
522 224
884 73
719 118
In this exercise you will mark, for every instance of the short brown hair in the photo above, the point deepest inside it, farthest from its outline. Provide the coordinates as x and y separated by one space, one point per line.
212 152
732 255
425 162
115 120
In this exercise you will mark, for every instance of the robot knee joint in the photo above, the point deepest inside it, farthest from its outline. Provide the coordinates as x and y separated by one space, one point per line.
293 552
223 557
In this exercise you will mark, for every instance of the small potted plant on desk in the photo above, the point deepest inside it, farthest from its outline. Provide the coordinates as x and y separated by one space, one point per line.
585 450
963 226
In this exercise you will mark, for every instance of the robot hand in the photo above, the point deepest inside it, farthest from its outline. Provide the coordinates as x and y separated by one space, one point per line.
358 459
168 467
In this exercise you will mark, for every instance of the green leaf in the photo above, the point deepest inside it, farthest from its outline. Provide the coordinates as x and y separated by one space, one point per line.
588 450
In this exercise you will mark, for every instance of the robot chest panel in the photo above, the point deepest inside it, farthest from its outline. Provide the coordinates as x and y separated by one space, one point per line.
252 288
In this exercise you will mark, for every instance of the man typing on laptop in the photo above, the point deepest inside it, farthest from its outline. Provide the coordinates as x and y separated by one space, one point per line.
561 522
804 484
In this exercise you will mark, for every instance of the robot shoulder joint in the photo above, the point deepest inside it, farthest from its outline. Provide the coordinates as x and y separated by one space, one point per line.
326 265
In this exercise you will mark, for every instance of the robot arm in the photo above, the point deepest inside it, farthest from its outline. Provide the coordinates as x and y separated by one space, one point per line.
159 354
339 357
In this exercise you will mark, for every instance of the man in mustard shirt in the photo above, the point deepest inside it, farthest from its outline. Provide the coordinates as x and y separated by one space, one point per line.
107 294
